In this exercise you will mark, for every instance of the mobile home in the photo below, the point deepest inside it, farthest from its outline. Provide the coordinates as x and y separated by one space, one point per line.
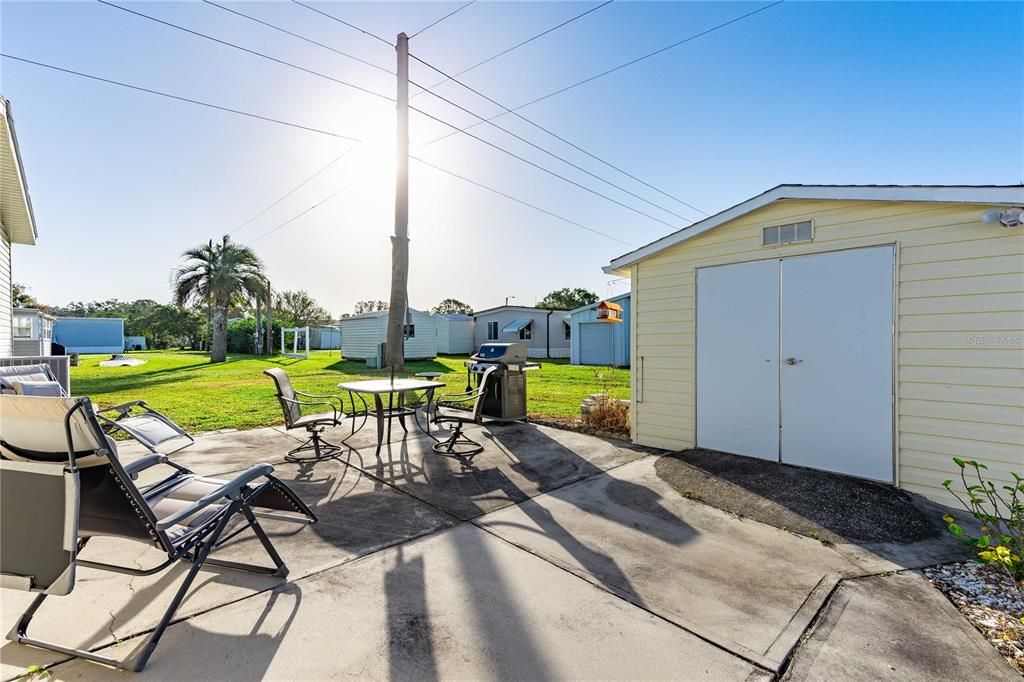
362 336
33 332
324 338
90 334
454 334
545 332
876 331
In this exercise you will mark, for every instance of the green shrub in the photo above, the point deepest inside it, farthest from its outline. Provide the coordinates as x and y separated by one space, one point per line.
242 335
1001 543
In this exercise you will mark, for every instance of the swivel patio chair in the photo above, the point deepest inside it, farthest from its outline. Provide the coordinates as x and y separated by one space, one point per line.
451 408
135 419
315 424
62 484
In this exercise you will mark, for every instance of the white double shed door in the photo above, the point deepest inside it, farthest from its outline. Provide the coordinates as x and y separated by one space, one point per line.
795 360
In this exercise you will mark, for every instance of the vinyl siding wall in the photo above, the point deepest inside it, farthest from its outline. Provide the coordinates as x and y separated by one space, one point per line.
454 337
5 296
621 334
537 346
959 328
361 336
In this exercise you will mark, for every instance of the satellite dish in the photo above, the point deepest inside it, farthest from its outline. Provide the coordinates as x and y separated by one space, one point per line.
991 216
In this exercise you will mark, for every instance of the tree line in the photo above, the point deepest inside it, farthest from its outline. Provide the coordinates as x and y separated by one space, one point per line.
219 294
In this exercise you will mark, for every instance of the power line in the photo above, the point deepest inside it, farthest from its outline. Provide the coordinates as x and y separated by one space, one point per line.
549 153
180 98
300 37
524 42
435 23
613 70
297 216
520 201
297 187
247 50
559 137
542 168
342 21
652 54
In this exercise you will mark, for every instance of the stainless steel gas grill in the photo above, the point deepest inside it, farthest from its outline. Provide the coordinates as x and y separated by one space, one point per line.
505 399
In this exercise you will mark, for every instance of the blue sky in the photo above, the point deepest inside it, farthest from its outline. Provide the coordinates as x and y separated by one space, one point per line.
818 92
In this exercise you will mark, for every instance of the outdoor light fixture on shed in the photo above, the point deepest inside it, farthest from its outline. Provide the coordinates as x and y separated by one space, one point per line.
1009 218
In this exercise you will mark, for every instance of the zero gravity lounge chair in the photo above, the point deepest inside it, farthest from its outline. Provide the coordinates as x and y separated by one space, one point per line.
135 419
61 484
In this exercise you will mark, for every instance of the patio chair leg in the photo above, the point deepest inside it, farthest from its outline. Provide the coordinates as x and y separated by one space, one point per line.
450 447
321 448
135 662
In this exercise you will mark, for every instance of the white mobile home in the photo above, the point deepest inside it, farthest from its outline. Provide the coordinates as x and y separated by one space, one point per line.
876 331
33 333
363 335
597 341
324 338
545 332
17 221
454 334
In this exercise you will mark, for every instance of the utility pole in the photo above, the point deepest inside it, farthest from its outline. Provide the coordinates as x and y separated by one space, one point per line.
270 321
400 240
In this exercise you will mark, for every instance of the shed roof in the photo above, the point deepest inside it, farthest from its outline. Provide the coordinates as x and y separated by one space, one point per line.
611 299
1007 195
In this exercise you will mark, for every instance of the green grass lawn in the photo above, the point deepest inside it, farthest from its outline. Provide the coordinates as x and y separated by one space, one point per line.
235 394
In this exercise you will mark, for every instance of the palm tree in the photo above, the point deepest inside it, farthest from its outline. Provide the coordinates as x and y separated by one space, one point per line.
220 274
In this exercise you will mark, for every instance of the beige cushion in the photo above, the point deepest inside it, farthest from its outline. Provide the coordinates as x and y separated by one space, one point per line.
45 388
37 423
169 500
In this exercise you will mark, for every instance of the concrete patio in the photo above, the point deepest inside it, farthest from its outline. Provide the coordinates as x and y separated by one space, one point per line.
555 555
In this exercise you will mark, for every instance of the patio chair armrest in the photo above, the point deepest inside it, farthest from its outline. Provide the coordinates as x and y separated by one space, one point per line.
231 489
341 404
133 468
309 403
456 397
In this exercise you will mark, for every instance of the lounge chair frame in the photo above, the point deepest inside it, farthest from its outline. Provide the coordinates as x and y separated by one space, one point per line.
194 547
113 418
131 409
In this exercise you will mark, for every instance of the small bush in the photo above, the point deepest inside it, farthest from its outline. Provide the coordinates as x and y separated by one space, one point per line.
1001 544
609 415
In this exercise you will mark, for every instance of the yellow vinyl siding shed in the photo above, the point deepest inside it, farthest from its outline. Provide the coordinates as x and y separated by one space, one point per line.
958 319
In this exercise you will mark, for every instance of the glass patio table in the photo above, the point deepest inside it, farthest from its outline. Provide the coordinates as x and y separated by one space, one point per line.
378 388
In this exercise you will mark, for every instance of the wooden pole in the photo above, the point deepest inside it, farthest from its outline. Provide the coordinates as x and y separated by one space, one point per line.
270 321
400 240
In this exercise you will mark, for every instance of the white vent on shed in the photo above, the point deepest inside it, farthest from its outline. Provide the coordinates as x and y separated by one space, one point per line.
787 234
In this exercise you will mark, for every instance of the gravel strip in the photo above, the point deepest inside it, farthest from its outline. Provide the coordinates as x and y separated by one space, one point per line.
990 601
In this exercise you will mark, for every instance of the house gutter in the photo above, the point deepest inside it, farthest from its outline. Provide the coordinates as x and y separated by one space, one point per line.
547 330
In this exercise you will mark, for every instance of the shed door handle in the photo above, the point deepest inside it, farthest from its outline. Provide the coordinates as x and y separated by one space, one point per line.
792 361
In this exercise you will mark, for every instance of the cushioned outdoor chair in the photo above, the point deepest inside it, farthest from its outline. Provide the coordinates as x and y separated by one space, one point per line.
315 424
135 419
61 484
461 409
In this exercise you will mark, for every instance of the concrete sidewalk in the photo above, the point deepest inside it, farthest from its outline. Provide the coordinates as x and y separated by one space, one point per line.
553 555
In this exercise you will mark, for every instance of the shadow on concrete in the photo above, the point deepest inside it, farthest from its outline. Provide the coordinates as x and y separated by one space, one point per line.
820 504
410 640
